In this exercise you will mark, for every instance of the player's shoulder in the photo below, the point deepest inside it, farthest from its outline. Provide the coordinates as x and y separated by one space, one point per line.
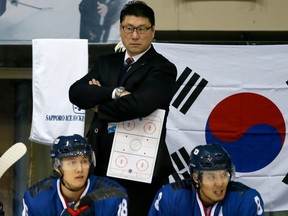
41 186
108 188
182 190
185 184
243 198
101 181
240 188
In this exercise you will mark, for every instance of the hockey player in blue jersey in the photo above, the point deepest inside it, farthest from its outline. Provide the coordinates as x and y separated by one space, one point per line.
210 191
73 190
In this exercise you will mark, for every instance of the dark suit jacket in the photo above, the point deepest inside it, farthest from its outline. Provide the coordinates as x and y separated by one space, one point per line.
151 80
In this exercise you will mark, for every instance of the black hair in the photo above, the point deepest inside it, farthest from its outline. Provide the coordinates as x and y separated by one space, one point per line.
138 9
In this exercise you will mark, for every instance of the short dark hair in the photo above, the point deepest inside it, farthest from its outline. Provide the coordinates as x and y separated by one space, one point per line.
138 9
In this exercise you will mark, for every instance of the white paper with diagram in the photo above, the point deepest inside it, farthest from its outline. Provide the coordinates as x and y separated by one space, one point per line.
135 147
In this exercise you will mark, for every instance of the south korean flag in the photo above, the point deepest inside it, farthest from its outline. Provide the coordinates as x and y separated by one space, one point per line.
235 96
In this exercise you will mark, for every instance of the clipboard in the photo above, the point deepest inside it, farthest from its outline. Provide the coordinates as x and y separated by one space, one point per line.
135 146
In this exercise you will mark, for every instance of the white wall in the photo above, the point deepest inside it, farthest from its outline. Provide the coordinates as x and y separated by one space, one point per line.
218 15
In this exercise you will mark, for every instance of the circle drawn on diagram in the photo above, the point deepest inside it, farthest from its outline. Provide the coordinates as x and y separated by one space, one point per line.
135 144
121 161
142 165
149 128
129 125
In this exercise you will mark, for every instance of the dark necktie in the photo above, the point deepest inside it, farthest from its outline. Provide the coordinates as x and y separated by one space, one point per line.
128 62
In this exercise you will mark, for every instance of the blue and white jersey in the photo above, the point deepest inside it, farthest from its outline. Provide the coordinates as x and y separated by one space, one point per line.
181 198
45 199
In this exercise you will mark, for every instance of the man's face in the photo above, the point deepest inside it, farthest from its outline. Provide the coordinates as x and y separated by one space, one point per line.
75 171
213 186
136 42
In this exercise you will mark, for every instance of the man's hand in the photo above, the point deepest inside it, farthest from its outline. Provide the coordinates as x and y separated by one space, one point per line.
97 83
94 82
124 93
102 9
95 109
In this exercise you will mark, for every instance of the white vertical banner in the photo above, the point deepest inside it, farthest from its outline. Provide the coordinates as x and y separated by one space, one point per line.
57 63
235 96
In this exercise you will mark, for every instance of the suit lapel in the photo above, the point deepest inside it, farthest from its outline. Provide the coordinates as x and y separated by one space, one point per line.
150 54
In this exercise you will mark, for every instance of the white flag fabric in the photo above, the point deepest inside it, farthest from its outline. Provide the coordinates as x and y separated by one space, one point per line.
235 96
57 63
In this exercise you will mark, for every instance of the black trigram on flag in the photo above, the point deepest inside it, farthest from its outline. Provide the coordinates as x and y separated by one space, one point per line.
181 164
184 92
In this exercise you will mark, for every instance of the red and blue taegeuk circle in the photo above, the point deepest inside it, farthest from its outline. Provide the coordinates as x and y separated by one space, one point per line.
250 127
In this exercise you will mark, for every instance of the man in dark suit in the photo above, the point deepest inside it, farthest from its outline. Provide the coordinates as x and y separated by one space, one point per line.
119 94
